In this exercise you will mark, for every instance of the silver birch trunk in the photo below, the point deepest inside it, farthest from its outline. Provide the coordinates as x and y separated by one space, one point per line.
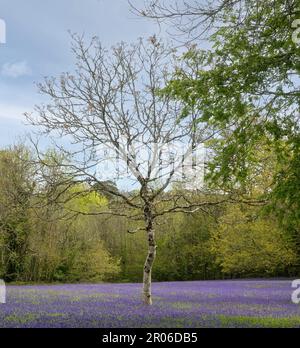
147 296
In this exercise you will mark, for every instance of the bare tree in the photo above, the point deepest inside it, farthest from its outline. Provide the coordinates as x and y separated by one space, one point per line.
110 110
190 20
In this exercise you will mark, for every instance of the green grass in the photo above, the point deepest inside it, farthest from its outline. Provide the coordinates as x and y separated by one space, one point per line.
244 321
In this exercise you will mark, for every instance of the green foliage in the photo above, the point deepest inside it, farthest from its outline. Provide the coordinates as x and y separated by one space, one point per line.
247 86
36 244
16 188
93 264
246 244
184 249
84 200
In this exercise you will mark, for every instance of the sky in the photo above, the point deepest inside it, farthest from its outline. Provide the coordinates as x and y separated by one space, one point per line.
38 45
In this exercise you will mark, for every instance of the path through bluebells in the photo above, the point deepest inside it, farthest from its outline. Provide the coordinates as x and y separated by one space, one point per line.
245 303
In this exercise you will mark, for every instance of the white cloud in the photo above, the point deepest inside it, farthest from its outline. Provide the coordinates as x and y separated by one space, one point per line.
16 69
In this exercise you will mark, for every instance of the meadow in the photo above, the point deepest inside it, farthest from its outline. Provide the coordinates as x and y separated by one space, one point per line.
196 304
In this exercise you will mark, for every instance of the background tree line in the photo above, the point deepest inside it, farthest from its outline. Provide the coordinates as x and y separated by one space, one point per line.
39 243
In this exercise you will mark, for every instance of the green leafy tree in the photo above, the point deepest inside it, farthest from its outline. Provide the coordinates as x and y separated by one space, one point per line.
246 84
195 259
247 244
16 190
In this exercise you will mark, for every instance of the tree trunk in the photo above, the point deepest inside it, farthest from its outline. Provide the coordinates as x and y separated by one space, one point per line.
147 296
